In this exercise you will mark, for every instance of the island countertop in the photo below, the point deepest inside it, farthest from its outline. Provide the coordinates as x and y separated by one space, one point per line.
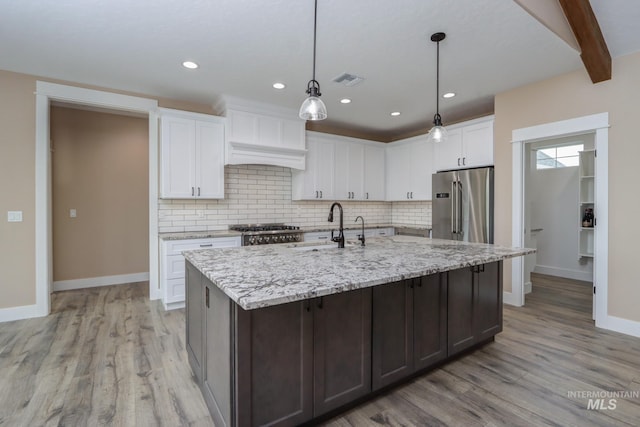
266 275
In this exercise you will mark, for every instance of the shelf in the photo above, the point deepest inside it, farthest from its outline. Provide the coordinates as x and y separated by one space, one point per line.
587 177
587 202
587 228
586 255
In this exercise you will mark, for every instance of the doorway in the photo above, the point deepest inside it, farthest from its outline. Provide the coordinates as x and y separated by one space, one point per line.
597 124
100 213
51 92
554 207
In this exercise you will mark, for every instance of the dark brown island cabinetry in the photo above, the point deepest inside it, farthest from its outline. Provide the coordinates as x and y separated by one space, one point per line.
409 327
291 363
474 312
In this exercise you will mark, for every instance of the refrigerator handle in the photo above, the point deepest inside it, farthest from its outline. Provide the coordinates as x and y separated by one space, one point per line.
459 213
454 209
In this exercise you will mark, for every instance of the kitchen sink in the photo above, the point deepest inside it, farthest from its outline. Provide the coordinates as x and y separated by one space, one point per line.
315 246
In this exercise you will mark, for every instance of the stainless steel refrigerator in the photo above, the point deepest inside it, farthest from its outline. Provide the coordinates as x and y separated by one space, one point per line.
463 205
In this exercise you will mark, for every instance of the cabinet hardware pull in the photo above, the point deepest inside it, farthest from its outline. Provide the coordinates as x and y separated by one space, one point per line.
411 284
464 161
322 237
209 245
407 194
198 191
321 194
320 303
206 295
193 191
316 194
308 305
367 196
412 194
458 161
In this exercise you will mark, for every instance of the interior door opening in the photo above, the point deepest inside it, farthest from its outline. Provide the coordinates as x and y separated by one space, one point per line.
100 196
559 183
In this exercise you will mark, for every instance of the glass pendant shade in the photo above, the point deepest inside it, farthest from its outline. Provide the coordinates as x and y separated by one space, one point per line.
438 133
313 108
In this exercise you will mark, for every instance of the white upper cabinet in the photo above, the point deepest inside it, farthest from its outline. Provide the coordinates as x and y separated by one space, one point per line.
409 169
340 168
374 172
267 139
191 155
468 145
316 181
349 170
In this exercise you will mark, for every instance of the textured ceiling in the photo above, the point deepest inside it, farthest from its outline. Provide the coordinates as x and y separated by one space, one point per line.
243 46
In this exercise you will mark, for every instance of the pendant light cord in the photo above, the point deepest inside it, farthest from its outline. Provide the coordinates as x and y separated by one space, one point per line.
437 78
315 23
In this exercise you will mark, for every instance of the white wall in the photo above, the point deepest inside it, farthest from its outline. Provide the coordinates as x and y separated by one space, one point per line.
258 194
552 204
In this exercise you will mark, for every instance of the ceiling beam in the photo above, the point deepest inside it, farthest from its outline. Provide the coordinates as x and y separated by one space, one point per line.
595 54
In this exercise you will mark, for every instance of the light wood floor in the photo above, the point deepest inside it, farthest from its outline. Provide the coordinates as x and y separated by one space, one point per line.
108 356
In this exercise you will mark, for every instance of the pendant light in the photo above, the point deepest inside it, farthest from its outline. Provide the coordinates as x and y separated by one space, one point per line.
313 108
437 133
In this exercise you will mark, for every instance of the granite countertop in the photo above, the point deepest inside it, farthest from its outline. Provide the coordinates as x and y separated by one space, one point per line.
266 275
230 233
198 234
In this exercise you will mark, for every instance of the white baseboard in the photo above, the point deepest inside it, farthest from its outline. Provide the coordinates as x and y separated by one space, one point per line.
92 282
509 298
173 305
624 326
17 313
527 288
586 276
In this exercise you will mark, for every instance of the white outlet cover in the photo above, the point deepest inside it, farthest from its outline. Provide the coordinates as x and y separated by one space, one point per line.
73 213
14 216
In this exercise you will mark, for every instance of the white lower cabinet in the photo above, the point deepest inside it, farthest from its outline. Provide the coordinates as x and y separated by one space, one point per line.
172 273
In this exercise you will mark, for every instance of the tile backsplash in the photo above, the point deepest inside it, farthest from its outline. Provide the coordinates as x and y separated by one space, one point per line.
259 194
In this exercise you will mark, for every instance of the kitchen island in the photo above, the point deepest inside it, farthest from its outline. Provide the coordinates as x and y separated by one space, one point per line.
284 334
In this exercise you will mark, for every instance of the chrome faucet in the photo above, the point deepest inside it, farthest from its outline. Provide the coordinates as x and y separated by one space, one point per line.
340 238
361 237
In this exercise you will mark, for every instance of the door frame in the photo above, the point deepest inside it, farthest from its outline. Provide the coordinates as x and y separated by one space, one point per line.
598 124
46 93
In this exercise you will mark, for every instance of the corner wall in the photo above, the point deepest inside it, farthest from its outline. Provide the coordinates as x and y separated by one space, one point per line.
17 189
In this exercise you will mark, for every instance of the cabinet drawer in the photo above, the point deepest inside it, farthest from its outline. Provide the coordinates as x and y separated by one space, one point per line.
175 291
320 236
175 266
176 247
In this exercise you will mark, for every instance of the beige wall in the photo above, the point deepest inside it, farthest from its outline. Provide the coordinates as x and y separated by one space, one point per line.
100 167
17 189
570 96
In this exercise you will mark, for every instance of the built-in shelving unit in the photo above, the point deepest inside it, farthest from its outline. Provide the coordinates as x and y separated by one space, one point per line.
586 201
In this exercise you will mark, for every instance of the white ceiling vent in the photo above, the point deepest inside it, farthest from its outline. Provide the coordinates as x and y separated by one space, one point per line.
348 79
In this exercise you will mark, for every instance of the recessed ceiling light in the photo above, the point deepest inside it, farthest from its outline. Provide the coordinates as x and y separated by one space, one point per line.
279 85
345 101
395 113
449 95
190 64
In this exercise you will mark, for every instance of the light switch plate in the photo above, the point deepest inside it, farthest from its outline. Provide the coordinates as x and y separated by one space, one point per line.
73 213
14 216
